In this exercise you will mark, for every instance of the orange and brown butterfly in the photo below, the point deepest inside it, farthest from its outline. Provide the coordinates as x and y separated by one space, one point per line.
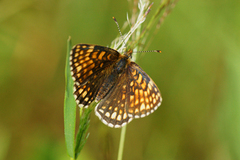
124 90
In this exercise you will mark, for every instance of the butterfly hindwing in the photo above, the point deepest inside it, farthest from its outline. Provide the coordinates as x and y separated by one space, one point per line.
112 109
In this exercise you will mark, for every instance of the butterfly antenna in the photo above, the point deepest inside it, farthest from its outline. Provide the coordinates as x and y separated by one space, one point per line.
158 51
115 20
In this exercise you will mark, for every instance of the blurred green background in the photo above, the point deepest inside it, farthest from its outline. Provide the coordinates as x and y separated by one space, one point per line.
198 74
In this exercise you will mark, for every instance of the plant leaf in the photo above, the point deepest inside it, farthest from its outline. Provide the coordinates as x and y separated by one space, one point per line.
69 107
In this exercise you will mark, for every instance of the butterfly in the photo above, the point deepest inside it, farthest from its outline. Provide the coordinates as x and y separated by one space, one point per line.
124 91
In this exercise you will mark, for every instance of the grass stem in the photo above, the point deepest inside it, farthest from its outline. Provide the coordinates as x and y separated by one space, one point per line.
121 143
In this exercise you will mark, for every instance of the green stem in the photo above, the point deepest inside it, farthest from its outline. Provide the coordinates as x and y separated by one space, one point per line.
139 35
81 111
121 144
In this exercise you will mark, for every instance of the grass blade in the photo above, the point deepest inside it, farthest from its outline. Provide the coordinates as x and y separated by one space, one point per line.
69 107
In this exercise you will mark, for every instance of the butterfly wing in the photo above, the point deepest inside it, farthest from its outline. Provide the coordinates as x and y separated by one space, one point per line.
88 66
143 95
112 109
134 96
88 60
85 95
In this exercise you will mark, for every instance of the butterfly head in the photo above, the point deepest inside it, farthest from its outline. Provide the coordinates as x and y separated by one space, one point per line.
129 53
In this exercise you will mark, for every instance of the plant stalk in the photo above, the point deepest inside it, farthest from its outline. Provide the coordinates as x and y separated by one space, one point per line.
121 143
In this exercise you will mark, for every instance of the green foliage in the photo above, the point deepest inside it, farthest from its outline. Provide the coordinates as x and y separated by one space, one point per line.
197 74
70 115
82 134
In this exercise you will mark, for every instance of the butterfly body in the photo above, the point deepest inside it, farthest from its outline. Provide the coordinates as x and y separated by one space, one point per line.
111 79
124 90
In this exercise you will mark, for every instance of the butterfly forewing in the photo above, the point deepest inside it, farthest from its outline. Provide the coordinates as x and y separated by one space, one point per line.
143 94
89 64
88 60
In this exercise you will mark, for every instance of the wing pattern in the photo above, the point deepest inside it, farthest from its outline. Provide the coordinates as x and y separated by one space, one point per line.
143 94
112 109
89 64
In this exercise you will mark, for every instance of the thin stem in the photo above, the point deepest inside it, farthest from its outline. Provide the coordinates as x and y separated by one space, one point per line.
139 34
121 144
81 111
